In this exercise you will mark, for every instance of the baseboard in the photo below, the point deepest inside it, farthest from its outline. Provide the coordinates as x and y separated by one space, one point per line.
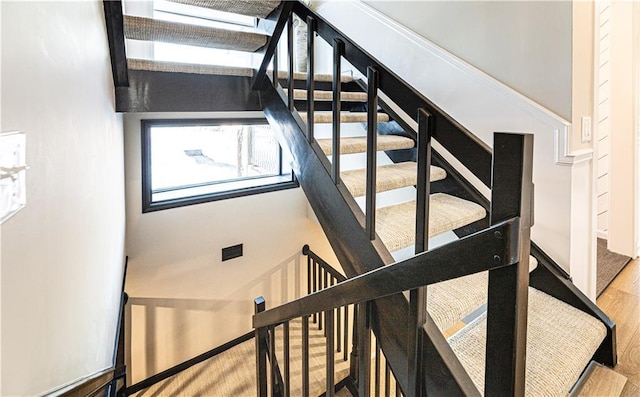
603 234
88 386
184 365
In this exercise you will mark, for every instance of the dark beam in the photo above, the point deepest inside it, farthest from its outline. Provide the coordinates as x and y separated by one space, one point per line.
115 33
186 92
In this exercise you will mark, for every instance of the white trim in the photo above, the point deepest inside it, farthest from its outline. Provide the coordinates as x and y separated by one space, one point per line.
458 67
602 234
73 384
563 155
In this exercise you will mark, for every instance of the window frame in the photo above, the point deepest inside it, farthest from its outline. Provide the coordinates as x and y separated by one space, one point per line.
148 205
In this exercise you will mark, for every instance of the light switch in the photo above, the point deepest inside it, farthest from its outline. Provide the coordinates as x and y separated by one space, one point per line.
13 169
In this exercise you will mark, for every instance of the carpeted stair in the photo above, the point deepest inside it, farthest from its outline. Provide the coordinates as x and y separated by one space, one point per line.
140 28
561 340
560 343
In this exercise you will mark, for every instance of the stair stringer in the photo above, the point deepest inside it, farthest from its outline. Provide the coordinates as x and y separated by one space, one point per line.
356 253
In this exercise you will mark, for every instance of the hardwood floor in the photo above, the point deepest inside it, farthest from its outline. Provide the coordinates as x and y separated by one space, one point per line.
621 301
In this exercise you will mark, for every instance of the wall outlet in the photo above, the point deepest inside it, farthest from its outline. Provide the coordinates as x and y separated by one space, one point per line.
586 129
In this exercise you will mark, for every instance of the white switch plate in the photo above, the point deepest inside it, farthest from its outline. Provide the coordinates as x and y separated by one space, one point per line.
13 195
586 129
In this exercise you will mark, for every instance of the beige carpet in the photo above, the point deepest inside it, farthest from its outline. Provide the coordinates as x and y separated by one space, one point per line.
177 67
560 343
326 117
252 8
388 177
353 145
140 28
396 224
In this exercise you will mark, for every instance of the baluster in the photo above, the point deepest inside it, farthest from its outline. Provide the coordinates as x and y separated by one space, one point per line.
345 346
372 148
308 275
315 286
330 355
325 285
364 358
338 51
261 354
272 358
353 367
311 29
305 356
339 329
377 370
387 380
322 286
398 392
287 366
276 81
424 181
290 61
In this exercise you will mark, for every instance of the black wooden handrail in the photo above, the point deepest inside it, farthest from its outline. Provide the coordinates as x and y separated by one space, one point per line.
326 266
489 249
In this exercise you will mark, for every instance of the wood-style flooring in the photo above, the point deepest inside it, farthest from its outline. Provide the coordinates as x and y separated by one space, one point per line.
621 301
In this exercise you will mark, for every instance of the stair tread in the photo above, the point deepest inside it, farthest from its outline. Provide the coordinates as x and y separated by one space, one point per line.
319 77
560 343
251 8
140 28
388 177
326 117
451 301
178 67
598 380
396 224
351 145
345 96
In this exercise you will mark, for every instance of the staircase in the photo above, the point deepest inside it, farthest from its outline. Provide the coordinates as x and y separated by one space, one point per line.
474 315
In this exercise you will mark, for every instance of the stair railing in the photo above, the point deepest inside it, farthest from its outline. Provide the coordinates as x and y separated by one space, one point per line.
472 153
495 249
321 275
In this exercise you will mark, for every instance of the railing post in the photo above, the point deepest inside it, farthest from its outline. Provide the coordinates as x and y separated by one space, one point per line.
511 194
261 352
290 61
364 356
372 144
311 32
338 51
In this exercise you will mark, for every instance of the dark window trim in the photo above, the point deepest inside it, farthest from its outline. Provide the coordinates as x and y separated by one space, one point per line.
148 205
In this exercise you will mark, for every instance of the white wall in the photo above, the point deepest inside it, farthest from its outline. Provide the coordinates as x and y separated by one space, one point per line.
184 299
622 180
484 105
62 255
523 44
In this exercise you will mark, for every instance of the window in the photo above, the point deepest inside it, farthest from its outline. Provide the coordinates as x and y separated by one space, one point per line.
194 161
